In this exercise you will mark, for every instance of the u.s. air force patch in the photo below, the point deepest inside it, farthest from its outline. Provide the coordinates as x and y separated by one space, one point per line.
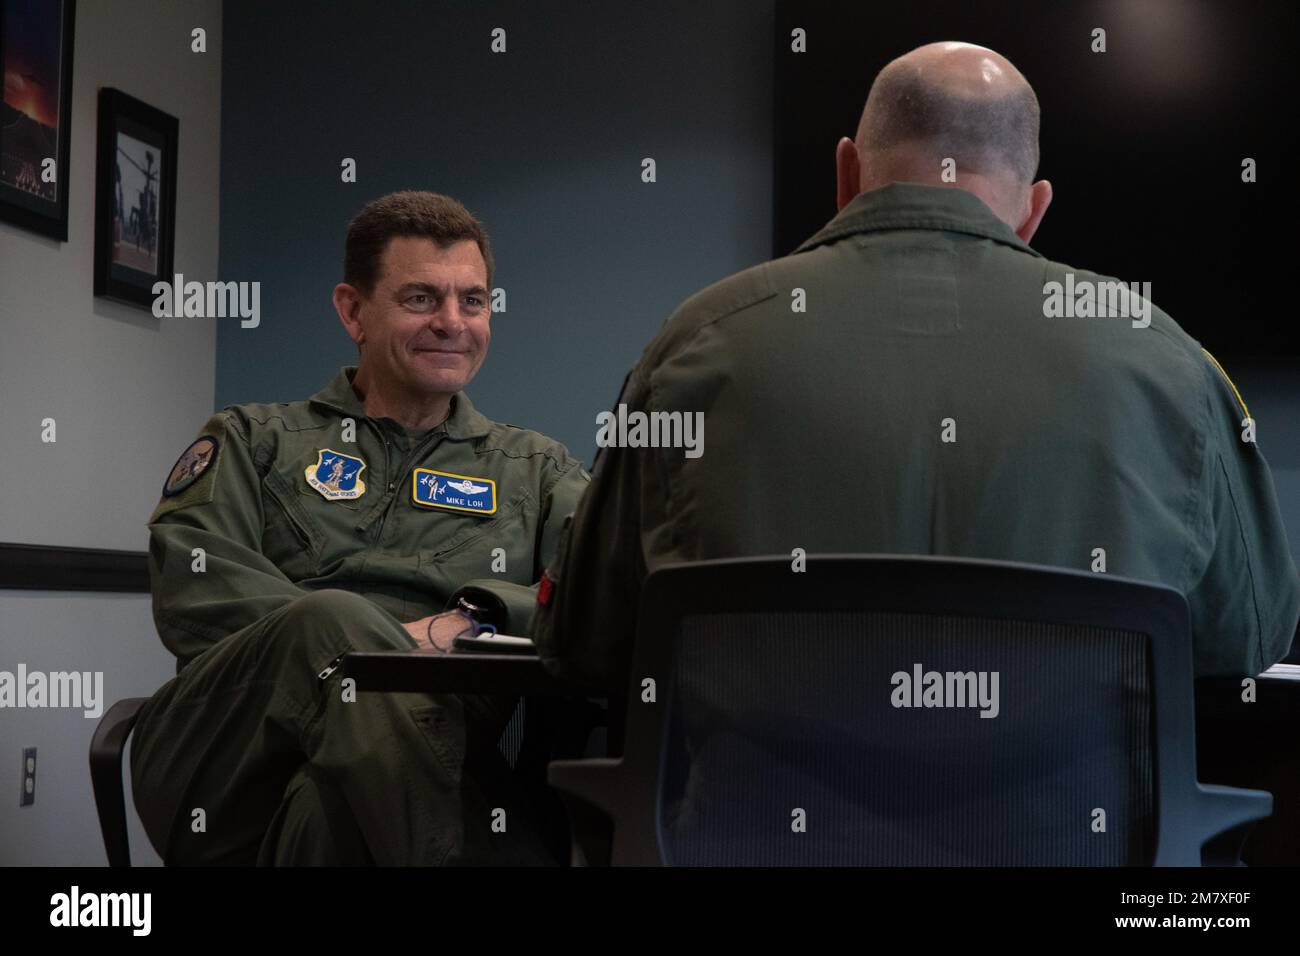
443 489
336 476
189 468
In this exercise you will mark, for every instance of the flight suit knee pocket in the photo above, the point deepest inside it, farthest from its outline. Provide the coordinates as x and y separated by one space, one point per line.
442 722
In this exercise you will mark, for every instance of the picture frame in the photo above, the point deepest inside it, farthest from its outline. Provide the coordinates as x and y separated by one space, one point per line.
36 113
135 198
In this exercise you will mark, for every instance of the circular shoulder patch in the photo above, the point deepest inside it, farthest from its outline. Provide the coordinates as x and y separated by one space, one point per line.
189 468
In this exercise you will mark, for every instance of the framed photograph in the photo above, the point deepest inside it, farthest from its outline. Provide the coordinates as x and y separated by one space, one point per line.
35 113
135 198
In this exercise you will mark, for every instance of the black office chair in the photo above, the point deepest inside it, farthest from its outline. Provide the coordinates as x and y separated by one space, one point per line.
106 747
776 733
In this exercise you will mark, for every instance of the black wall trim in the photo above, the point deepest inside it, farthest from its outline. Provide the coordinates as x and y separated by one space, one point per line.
38 567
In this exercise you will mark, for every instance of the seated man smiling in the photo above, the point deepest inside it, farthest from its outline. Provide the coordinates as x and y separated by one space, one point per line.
290 534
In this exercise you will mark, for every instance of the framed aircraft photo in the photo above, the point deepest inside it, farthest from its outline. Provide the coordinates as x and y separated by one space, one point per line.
135 198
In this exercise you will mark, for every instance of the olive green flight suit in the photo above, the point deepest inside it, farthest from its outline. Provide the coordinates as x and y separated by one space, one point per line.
261 582
825 430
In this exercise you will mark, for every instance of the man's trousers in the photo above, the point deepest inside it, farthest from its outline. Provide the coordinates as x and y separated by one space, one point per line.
250 756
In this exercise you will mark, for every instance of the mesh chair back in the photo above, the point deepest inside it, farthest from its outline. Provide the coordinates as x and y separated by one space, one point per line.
766 722
893 739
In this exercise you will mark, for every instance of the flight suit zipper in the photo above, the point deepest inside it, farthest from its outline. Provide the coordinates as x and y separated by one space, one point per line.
331 667
392 482
407 463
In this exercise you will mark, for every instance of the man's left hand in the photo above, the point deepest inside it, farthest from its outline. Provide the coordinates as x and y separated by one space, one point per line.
445 627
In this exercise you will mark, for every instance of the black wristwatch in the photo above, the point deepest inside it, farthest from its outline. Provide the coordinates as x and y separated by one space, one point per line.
481 606
475 613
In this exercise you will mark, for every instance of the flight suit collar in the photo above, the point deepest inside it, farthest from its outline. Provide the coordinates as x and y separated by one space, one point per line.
465 420
915 206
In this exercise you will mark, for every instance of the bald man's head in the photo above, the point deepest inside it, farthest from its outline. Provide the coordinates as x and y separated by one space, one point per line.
951 101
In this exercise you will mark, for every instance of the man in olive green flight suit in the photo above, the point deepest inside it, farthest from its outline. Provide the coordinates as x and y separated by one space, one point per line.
927 403
290 534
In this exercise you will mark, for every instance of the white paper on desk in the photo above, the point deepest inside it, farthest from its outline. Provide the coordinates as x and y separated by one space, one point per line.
500 641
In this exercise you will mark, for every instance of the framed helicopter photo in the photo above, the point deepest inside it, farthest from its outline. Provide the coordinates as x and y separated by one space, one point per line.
135 198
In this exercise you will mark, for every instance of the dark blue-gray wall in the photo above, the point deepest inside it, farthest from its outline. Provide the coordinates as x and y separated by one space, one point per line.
543 143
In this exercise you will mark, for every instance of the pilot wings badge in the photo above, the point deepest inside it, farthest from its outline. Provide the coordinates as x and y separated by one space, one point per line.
336 476
442 489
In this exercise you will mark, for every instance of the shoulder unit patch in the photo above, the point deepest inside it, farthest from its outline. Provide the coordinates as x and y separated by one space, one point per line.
191 465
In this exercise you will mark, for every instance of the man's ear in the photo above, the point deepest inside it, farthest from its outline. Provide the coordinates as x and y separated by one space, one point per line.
1040 197
347 303
848 172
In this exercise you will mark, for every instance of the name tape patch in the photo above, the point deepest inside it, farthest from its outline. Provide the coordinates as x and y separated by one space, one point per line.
443 489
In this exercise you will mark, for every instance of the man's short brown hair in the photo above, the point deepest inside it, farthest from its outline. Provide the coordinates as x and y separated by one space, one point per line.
413 214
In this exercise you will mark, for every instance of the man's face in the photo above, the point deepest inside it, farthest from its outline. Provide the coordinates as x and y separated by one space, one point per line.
424 327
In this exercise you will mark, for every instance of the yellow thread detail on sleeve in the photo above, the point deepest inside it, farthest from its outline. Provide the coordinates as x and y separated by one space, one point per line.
1240 400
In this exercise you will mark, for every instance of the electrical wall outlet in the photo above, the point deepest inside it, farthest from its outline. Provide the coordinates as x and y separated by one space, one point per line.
29 778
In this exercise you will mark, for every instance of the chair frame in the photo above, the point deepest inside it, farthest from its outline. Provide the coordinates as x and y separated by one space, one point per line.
106 748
